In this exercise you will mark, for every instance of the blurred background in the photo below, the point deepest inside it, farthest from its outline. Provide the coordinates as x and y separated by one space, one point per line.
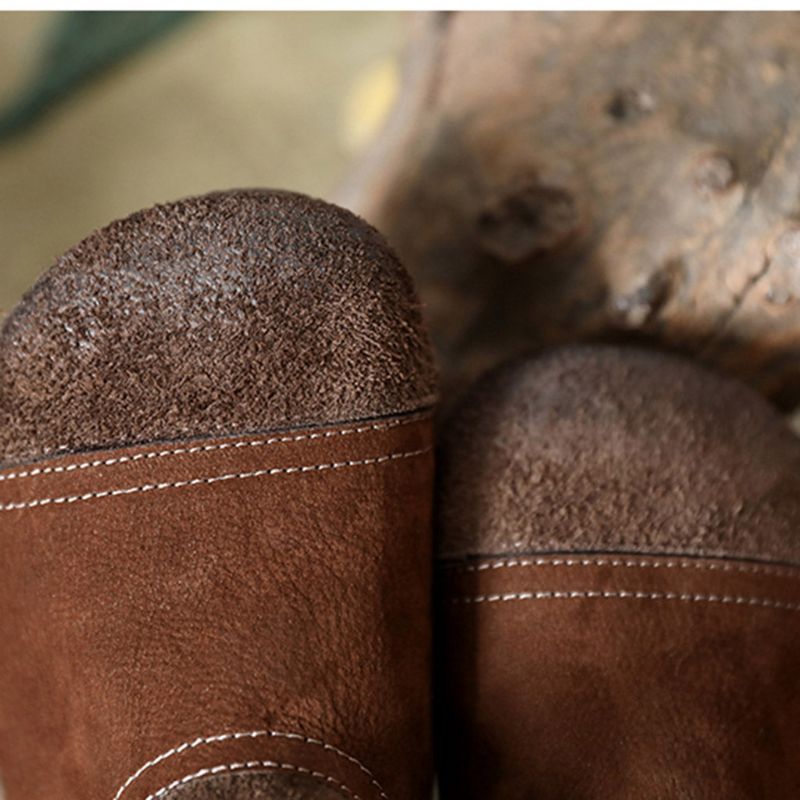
104 113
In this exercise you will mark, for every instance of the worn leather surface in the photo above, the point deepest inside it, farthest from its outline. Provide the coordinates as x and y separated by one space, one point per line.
605 677
231 312
253 603
617 448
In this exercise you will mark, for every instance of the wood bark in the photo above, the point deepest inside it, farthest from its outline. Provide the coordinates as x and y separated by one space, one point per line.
559 177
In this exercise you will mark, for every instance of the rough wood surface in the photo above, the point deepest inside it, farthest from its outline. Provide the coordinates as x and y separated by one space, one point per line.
552 177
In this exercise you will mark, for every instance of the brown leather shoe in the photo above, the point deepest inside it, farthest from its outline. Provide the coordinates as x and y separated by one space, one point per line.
620 589
215 512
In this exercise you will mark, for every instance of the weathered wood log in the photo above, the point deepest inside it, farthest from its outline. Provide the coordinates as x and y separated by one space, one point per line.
553 177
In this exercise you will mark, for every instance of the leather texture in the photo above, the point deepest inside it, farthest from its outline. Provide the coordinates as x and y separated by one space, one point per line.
609 448
227 313
195 610
602 676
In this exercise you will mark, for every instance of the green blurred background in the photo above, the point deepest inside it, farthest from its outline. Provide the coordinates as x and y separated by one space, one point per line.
102 114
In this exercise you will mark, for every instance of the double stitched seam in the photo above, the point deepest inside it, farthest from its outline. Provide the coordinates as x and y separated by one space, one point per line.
224 737
755 569
761 602
209 448
245 765
206 481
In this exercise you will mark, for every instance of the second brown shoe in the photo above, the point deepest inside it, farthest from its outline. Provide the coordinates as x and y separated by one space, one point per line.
619 585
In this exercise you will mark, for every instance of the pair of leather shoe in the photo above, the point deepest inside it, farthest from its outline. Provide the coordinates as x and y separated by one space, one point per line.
216 526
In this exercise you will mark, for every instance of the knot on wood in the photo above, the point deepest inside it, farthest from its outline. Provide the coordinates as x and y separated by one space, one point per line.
714 173
629 104
637 308
528 221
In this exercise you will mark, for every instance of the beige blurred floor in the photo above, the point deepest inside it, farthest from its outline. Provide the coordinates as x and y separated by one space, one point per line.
229 99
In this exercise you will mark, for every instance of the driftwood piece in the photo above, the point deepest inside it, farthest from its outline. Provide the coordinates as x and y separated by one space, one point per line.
555 177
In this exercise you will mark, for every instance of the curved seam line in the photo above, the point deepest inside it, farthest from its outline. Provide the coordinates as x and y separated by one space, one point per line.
205 481
246 765
785 572
763 602
37 472
223 737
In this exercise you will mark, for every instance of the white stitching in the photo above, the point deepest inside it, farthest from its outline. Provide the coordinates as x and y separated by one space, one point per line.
691 598
150 487
202 773
110 462
786 572
223 737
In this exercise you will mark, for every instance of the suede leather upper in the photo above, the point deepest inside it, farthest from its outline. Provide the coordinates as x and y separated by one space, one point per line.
233 312
238 604
624 677
598 448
